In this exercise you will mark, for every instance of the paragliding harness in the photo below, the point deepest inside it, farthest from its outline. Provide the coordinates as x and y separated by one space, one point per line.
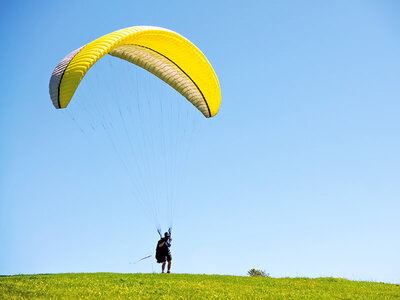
163 253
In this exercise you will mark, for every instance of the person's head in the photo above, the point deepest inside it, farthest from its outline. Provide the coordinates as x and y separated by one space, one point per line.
167 235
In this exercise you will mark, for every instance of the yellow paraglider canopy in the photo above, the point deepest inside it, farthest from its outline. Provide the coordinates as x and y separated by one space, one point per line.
166 54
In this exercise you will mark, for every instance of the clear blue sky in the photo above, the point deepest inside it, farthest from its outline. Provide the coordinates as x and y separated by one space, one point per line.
301 165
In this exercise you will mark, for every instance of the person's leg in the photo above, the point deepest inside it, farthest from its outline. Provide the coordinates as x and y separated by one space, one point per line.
163 267
169 266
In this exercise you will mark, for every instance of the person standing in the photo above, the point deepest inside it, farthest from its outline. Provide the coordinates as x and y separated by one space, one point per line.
163 253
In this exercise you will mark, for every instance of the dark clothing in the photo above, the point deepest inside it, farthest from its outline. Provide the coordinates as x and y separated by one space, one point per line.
163 253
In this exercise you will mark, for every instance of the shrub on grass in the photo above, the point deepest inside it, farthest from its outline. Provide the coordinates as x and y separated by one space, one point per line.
254 272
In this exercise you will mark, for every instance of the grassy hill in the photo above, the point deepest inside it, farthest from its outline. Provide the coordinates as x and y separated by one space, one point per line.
184 286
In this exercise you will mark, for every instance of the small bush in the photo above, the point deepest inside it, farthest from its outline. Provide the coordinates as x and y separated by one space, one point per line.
255 272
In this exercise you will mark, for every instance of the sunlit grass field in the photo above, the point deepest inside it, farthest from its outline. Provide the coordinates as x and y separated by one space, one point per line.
185 286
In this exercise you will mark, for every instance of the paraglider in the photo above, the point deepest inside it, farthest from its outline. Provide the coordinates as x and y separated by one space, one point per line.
163 53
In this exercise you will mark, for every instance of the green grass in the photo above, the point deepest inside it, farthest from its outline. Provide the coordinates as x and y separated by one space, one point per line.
184 286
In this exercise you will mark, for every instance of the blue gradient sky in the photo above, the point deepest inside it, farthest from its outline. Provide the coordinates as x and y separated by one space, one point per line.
301 165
